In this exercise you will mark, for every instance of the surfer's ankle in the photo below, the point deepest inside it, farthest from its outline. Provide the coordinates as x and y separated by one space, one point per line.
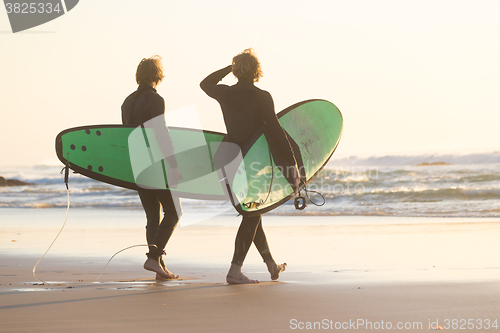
153 265
234 270
275 269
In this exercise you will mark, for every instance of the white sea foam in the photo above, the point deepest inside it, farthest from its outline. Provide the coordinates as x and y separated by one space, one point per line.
492 157
384 185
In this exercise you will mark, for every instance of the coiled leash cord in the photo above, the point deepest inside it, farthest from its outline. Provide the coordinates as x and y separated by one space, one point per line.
300 201
66 181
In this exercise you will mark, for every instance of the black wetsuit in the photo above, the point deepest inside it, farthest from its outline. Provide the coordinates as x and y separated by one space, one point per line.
245 108
138 108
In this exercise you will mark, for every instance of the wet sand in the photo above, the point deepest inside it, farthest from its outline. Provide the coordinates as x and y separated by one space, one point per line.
344 273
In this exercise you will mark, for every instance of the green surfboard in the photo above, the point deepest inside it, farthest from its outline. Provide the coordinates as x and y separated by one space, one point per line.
314 129
131 157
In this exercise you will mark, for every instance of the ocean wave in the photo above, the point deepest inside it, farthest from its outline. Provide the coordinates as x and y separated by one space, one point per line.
401 189
393 160
428 195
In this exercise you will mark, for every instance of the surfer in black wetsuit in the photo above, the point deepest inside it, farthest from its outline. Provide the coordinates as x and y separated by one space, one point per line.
245 108
145 107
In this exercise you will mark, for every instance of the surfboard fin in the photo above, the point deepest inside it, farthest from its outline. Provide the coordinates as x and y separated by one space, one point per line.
252 204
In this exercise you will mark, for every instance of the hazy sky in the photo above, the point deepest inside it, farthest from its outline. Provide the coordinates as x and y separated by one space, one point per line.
408 76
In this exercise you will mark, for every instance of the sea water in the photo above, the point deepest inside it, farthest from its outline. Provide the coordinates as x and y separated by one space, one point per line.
452 185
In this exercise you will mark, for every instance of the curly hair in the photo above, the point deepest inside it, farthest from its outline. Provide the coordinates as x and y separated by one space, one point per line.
149 71
246 66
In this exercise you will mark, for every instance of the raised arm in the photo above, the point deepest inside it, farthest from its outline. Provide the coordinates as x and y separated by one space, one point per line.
209 84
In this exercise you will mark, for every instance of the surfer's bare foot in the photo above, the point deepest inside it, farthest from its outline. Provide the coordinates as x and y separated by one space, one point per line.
235 276
170 274
154 266
239 279
275 270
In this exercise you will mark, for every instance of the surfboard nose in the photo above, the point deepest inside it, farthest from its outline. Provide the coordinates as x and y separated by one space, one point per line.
59 148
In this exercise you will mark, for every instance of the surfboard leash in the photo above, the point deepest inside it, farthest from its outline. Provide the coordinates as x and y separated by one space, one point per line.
126 248
272 177
300 201
255 204
66 181
65 169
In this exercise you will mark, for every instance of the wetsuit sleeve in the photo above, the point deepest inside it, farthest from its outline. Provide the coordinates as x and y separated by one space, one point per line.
209 84
124 114
157 107
126 111
162 133
165 140
274 129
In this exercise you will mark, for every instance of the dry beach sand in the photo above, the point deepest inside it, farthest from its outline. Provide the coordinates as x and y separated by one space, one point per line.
344 273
